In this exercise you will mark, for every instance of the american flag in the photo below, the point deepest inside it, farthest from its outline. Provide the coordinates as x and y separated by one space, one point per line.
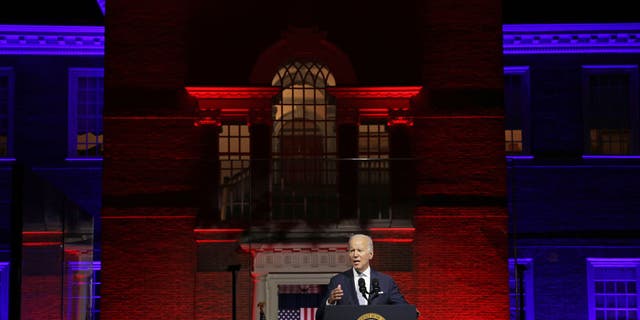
297 314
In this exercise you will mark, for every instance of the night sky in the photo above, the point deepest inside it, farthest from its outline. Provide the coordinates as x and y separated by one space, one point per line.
51 12
569 11
87 12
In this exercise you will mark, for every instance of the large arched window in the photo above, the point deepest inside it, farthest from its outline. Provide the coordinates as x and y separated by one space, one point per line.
304 137
304 128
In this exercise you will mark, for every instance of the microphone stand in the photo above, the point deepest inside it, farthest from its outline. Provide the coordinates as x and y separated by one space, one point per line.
363 289
375 291
234 269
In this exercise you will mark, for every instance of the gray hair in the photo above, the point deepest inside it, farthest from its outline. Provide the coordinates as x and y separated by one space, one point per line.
360 235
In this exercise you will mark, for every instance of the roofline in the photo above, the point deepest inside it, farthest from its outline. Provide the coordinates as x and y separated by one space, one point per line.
52 40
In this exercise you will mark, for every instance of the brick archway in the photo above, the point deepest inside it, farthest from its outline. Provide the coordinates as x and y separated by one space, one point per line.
303 44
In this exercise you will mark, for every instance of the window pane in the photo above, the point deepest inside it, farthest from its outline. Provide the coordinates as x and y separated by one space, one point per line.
607 112
614 293
516 96
303 142
88 110
5 83
235 185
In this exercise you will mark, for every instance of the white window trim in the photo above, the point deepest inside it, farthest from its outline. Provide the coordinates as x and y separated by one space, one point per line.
593 263
529 286
72 136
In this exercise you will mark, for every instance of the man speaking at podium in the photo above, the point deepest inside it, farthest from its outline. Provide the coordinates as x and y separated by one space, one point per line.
360 285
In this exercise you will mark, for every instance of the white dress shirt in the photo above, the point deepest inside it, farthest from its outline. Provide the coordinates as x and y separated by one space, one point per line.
367 280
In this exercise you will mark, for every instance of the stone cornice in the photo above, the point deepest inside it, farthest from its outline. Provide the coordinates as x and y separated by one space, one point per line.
52 40
571 38
297 257
517 39
398 92
233 92
294 247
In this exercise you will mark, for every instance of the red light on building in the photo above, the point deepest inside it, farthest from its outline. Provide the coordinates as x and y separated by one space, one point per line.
400 121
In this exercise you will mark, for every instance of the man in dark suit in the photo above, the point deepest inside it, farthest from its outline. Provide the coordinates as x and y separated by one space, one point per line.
345 288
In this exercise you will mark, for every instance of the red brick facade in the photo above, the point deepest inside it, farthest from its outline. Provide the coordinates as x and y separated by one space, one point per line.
153 265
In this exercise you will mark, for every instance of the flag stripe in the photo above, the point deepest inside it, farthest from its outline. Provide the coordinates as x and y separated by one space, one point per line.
308 313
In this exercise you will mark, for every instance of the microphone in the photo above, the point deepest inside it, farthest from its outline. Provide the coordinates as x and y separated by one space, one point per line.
375 284
362 286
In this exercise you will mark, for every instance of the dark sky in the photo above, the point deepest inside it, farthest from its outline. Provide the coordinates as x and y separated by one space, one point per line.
87 12
569 11
51 12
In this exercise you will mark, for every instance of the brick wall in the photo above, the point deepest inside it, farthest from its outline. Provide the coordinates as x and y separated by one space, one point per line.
42 272
152 153
148 265
460 263
41 297
213 294
460 247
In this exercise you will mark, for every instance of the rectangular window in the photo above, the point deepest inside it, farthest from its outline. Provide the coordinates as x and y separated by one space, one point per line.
4 290
516 105
613 288
6 111
86 101
235 180
521 289
610 100
234 152
373 151
373 179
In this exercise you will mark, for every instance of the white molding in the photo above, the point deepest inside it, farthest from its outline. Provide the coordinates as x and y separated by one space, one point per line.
292 263
52 40
571 38
614 262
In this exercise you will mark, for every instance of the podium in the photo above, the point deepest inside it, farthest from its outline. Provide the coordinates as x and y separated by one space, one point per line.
371 312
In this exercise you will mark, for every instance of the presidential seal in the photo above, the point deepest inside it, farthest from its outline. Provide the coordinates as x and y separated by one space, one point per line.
371 316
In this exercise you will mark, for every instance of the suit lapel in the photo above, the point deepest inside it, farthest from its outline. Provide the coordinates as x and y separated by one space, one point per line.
350 290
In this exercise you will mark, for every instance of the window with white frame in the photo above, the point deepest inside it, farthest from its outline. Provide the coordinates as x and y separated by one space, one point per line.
86 101
516 105
521 289
610 104
6 111
613 288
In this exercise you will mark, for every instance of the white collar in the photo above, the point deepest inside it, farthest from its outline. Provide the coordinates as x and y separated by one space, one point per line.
366 272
